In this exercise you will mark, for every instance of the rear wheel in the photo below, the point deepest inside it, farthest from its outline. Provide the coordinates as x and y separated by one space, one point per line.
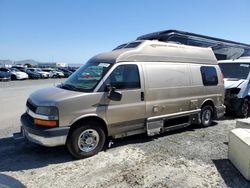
244 109
206 116
13 77
86 140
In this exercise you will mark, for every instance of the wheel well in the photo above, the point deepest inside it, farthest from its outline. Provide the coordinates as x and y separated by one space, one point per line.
247 97
82 121
208 103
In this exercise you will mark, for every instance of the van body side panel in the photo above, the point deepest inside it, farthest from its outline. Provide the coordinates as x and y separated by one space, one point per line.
168 88
197 88
203 93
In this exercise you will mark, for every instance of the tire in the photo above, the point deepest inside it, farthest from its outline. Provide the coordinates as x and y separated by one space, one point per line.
77 145
244 109
13 77
206 116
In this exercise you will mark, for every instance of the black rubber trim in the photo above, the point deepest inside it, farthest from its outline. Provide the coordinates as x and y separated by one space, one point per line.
234 104
28 125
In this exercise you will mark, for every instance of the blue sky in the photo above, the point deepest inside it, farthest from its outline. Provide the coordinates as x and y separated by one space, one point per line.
74 30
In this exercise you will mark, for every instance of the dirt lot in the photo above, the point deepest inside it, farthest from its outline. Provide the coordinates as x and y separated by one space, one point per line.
191 157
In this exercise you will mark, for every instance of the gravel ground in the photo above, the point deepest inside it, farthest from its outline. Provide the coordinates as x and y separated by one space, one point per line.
190 157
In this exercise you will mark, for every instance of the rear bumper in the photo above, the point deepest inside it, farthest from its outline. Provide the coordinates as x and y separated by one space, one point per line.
5 79
41 135
219 111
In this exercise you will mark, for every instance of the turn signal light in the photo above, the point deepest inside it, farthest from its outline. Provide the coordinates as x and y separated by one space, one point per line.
48 123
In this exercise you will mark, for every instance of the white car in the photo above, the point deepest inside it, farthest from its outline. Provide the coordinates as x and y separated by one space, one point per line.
54 73
17 74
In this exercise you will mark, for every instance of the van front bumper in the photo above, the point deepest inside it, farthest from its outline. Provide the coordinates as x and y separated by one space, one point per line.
219 111
42 135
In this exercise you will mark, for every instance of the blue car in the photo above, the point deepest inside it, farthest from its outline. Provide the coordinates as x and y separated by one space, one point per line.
5 74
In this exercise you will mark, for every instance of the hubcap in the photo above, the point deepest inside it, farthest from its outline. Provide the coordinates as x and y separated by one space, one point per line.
206 117
88 140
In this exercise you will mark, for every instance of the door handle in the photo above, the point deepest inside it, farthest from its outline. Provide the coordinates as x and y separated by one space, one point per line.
142 96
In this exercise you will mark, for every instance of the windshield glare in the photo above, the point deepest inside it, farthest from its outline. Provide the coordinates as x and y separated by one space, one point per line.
87 77
235 70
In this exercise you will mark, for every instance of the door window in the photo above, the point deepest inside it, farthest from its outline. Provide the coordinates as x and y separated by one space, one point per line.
124 77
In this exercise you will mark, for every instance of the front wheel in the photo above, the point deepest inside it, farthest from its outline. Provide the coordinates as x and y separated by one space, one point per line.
86 141
206 116
244 109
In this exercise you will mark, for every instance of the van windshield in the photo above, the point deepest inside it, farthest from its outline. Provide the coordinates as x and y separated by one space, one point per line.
235 70
87 77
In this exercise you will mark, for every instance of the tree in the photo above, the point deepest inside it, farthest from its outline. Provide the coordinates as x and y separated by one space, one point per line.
28 65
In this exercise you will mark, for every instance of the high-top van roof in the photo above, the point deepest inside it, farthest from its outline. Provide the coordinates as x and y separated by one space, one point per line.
152 51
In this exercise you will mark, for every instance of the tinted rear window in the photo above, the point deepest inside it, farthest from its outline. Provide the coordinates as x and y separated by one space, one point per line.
209 76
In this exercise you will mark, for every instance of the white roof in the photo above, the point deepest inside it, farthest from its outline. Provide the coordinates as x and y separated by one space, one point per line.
155 51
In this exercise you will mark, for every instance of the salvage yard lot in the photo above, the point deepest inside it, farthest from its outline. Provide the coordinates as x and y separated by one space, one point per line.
190 157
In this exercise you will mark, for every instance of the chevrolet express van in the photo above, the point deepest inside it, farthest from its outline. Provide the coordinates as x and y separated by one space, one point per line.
141 87
236 78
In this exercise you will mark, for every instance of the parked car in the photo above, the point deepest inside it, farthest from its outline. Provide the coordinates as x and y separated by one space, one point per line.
54 73
4 74
22 69
40 72
17 74
150 87
236 78
33 74
72 69
66 72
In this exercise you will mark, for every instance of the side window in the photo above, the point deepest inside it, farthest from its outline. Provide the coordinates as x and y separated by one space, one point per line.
3 70
124 77
209 76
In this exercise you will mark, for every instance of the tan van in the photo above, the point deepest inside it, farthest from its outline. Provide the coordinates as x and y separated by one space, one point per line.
140 87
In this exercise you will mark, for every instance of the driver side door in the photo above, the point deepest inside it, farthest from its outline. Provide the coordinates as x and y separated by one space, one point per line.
128 114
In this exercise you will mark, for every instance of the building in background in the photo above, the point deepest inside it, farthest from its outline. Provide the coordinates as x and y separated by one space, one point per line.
6 63
52 65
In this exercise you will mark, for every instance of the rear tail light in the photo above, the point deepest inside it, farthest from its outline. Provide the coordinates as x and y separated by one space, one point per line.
222 77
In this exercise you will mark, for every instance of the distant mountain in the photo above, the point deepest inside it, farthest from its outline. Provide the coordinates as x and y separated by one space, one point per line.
31 62
27 61
22 62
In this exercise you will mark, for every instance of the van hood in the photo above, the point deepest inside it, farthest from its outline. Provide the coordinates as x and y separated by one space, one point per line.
52 96
229 83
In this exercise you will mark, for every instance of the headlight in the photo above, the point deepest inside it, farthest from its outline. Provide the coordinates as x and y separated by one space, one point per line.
47 110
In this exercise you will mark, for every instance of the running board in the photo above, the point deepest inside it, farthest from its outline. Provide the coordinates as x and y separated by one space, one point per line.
155 125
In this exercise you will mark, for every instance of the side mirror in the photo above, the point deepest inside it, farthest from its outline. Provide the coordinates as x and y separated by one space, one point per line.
112 94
